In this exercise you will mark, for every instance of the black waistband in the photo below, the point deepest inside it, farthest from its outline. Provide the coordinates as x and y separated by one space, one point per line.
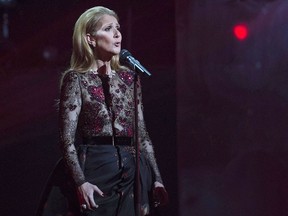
108 140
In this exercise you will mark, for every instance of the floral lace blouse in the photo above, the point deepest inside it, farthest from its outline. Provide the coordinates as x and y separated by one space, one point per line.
84 107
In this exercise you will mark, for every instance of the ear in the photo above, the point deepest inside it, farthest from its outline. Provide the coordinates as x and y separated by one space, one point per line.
90 40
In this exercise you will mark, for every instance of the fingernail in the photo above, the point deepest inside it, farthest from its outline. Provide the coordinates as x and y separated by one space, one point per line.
94 208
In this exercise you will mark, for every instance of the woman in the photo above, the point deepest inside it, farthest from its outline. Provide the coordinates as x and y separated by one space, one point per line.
97 102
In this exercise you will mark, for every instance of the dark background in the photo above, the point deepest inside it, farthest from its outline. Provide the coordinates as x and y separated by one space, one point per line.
216 107
232 108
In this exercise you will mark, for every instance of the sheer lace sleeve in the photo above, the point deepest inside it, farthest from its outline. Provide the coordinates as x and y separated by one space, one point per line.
70 106
146 144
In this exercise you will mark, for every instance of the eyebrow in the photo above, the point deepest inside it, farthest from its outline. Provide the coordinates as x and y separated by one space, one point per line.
117 24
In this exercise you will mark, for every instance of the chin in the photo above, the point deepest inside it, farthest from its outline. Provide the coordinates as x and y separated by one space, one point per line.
117 51
113 52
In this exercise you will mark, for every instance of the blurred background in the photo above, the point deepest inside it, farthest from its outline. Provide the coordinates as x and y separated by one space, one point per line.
215 105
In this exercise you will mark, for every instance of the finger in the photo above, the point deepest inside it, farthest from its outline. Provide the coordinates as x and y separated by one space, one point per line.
98 191
87 202
164 198
92 203
160 196
156 193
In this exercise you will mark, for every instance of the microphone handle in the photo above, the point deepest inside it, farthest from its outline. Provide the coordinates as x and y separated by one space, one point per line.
136 65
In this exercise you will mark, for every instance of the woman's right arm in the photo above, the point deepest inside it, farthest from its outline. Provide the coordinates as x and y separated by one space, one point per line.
70 107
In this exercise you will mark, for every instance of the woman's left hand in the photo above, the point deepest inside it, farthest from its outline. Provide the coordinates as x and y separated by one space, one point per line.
160 195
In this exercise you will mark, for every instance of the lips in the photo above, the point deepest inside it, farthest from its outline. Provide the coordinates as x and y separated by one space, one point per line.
117 44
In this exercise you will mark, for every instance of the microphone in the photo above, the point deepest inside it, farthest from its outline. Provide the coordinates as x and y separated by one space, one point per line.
128 60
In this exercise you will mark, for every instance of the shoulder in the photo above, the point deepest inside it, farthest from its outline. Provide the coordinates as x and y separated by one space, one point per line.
126 76
69 80
70 75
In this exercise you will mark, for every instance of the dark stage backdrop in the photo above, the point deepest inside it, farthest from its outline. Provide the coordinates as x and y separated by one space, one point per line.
32 59
232 108
231 100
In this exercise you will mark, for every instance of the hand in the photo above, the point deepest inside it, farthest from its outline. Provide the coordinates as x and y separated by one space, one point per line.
85 194
160 195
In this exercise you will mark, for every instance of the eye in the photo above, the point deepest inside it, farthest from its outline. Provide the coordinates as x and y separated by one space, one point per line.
108 28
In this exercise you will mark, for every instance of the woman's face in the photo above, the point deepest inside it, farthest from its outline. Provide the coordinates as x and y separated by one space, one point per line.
107 37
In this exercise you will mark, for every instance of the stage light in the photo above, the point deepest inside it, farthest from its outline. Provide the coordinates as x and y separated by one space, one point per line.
240 31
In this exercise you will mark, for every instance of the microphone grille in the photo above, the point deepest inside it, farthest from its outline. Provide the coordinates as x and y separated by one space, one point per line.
123 55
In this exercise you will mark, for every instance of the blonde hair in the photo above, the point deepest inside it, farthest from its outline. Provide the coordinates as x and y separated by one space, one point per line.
82 55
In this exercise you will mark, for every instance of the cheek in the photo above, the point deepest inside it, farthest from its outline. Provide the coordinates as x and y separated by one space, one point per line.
103 40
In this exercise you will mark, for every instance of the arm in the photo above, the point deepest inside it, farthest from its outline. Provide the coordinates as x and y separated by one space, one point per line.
145 141
70 107
160 195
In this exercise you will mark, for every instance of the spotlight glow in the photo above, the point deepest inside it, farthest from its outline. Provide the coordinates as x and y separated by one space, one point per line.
240 31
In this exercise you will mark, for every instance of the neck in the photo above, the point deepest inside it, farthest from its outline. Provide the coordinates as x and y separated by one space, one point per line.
102 67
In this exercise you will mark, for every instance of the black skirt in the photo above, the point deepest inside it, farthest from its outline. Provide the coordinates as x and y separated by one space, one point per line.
112 169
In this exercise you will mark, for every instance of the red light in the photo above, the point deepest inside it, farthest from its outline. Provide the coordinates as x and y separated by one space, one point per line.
240 31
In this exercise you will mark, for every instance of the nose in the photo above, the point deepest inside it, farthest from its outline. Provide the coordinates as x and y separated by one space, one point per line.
117 33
